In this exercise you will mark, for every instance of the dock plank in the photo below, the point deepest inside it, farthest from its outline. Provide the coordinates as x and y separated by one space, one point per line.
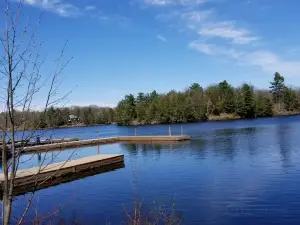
66 165
109 140
37 178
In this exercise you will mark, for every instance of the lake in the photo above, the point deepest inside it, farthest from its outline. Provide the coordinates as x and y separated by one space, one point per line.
235 172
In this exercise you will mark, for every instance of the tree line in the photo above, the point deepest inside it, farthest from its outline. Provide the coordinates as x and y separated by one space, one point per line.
64 116
218 101
200 104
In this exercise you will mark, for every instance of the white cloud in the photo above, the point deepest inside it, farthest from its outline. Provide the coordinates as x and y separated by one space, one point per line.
162 38
56 6
271 62
90 8
227 30
66 9
267 60
226 39
207 26
208 49
174 2
196 17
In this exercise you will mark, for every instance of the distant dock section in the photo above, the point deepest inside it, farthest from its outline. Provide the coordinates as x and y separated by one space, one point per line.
53 174
111 140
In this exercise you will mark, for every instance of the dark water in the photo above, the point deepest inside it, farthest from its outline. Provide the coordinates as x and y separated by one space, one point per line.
239 172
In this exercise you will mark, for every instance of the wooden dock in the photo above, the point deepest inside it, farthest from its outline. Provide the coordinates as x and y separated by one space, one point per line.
110 140
41 177
45 176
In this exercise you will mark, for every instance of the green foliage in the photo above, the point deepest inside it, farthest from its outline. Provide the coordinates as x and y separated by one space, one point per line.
194 104
226 96
290 99
264 106
277 88
56 117
246 102
197 104
125 112
195 87
88 117
213 103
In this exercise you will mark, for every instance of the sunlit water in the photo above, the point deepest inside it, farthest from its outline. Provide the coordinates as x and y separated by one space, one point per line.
238 172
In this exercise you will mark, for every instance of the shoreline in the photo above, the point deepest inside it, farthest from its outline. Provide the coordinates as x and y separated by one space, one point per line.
220 118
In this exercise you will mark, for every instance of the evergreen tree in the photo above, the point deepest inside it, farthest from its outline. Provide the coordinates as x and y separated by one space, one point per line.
277 88
246 103
195 87
249 103
290 99
153 95
141 107
125 111
88 117
226 97
264 106
213 94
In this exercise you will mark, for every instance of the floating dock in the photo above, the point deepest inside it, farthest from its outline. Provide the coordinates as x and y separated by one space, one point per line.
49 175
110 140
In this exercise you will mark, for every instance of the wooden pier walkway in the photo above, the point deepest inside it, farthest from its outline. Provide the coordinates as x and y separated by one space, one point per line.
110 140
45 176
41 177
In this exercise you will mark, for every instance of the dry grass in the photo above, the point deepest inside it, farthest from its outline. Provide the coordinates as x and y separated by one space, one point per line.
223 116
285 113
160 214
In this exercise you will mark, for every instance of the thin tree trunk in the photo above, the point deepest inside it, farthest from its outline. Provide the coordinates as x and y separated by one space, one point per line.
6 210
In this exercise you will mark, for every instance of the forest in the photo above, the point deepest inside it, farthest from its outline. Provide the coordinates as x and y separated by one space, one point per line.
215 102
220 101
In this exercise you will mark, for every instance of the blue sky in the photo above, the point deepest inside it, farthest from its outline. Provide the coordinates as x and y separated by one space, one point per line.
131 46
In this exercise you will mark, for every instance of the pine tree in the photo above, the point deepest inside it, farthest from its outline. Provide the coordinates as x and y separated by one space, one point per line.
277 88
126 110
249 103
246 103
195 87
226 97
264 107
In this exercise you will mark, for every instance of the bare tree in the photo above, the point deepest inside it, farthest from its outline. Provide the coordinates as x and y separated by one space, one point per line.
21 80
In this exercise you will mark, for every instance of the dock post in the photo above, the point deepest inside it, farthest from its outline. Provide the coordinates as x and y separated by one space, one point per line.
170 132
134 131
181 131
97 134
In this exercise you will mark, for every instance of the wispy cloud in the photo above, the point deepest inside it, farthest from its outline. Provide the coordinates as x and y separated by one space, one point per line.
208 49
267 60
65 8
90 8
271 62
206 25
56 6
174 2
227 30
161 38
225 38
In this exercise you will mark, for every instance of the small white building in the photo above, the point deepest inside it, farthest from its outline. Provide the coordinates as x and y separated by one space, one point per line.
73 118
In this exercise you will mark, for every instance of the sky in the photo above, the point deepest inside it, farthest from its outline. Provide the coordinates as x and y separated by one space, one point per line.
129 46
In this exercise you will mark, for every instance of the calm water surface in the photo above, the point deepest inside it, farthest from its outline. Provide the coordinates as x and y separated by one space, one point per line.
238 172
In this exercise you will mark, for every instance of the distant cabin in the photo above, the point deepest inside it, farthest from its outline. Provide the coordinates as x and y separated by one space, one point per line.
73 119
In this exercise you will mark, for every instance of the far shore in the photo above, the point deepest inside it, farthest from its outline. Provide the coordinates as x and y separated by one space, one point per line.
222 117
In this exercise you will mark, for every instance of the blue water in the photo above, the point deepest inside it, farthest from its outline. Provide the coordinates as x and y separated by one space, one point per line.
236 172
